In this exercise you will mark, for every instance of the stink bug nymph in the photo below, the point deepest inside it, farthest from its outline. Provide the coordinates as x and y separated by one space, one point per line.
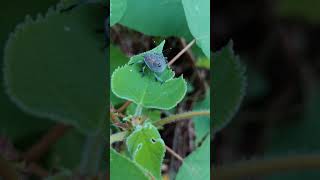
156 62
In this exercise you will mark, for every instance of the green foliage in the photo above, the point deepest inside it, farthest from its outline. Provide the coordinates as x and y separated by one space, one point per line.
147 148
53 77
157 18
228 84
202 123
117 8
122 168
198 18
14 123
197 164
151 114
145 91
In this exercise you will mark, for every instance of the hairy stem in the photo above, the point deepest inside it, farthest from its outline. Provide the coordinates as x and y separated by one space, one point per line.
267 166
117 137
138 110
181 52
182 116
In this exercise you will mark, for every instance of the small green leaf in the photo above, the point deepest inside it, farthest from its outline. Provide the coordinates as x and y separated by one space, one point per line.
156 18
55 67
228 86
127 83
202 123
197 164
147 148
203 62
117 8
198 18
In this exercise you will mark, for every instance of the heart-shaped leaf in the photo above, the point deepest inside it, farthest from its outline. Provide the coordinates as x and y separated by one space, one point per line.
117 8
147 148
156 18
55 67
127 82
198 18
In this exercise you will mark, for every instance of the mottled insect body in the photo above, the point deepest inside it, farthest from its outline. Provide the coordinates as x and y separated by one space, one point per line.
155 61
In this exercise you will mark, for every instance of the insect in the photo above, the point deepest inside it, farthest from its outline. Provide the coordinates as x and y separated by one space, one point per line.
156 62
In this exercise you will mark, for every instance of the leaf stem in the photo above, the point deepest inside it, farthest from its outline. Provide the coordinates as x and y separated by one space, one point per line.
267 166
121 135
117 137
181 52
181 116
138 110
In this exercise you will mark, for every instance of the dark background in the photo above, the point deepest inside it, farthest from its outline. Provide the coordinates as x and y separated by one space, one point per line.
278 43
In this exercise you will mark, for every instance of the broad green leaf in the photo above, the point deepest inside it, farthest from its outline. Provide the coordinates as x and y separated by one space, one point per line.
202 123
14 123
197 164
117 59
156 18
308 10
55 67
198 17
147 148
228 85
117 8
151 114
122 168
127 83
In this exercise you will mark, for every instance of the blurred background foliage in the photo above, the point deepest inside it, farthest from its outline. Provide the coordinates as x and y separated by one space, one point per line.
278 44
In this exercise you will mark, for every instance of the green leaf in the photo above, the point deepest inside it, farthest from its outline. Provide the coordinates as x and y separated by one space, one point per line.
197 164
228 86
156 18
202 123
121 168
14 123
198 18
127 83
117 8
147 148
117 59
55 67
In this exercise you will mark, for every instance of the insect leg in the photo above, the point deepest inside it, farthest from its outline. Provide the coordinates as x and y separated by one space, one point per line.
138 62
143 69
157 78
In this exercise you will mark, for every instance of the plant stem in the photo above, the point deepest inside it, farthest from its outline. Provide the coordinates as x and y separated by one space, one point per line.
182 116
117 137
124 106
41 147
138 110
181 52
267 166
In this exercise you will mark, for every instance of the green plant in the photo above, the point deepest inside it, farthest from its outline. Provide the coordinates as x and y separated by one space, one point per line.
139 102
